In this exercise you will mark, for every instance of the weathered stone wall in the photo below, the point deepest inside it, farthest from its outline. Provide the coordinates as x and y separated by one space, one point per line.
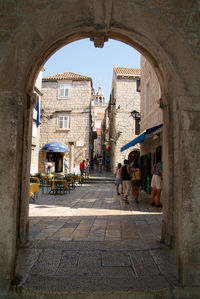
126 100
79 109
165 32
98 111
151 113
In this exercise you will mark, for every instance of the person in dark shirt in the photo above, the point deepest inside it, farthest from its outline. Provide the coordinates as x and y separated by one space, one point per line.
126 179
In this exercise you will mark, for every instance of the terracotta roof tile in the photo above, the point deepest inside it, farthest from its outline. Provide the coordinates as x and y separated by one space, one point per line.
66 76
125 71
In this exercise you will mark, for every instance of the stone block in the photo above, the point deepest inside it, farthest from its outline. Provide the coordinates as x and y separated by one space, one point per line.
190 120
115 259
47 263
143 264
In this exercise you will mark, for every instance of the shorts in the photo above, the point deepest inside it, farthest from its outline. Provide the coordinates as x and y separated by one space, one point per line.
156 181
118 181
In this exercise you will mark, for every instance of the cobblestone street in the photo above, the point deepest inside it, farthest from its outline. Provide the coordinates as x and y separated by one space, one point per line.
92 241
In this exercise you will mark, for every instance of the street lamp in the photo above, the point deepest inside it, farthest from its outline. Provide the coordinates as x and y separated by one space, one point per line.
135 114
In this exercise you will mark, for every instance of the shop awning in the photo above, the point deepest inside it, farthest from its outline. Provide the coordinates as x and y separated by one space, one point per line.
140 138
55 147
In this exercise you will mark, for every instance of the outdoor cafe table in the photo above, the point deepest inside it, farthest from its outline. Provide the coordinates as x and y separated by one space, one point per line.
74 180
45 181
35 180
33 190
59 186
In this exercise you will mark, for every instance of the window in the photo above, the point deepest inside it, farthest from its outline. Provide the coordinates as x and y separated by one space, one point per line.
64 91
63 122
138 85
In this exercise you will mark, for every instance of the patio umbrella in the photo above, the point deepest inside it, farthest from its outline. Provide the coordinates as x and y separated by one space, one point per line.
55 147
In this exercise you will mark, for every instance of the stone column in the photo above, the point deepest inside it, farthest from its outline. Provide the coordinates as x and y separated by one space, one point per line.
168 147
187 192
71 158
13 121
26 161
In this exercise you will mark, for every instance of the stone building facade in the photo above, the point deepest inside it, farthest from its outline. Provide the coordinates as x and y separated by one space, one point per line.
98 110
66 118
167 34
105 137
124 99
151 116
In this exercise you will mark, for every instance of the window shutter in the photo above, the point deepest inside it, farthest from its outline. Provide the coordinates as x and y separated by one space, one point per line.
60 122
61 92
66 92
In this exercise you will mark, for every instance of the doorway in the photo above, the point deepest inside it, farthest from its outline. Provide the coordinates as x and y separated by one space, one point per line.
57 158
134 155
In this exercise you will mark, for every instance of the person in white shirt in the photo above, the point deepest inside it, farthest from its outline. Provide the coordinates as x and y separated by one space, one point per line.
118 180
66 166
87 168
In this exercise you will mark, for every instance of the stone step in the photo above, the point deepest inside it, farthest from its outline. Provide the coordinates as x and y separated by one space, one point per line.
99 180
147 288
110 289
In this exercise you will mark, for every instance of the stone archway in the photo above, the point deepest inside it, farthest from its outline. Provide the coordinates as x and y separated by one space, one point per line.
32 32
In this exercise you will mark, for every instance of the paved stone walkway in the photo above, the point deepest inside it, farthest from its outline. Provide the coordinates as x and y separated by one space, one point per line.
91 244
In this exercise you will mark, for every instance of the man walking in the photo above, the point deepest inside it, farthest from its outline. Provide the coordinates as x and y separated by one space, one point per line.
126 179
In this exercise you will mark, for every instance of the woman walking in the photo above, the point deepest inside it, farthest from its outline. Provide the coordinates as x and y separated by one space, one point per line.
118 179
156 182
135 179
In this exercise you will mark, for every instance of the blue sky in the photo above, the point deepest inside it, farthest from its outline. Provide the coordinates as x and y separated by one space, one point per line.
83 58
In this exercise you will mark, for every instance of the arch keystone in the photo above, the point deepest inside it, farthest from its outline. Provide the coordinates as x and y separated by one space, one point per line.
99 38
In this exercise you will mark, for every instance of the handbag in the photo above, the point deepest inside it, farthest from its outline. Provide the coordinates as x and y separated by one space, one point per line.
137 182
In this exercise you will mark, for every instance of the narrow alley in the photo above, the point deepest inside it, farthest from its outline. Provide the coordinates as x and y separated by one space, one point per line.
91 242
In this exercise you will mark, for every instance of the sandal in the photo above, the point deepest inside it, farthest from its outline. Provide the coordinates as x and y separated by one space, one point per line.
153 204
159 206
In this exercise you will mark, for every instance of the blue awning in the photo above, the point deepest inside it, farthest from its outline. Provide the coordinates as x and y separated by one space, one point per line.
151 130
140 138
55 147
